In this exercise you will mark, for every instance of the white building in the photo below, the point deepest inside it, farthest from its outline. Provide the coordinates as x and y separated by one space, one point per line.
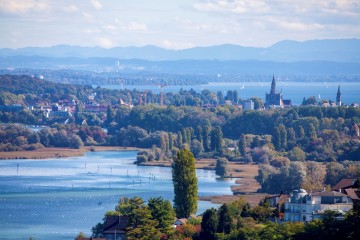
248 105
304 207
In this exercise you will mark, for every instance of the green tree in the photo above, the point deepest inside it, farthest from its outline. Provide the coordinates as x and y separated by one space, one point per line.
222 167
185 183
225 222
242 145
206 140
296 154
216 139
209 224
162 211
140 223
283 136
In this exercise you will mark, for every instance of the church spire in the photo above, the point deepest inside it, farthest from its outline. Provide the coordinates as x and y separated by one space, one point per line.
273 86
338 97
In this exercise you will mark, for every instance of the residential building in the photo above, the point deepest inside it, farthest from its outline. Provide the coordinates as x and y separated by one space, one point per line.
304 207
347 186
115 227
248 105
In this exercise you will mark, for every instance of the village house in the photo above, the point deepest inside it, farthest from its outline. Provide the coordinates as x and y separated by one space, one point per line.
115 227
347 186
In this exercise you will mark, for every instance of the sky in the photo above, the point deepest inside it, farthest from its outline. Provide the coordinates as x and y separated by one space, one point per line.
174 24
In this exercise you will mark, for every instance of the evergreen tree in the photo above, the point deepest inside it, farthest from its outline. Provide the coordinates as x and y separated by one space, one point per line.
235 97
276 138
209 224
171 140
179 139
185 184
312 132
225 221
206 140
283 136
242 145
140 223
162 211
199 134
301 133
216 139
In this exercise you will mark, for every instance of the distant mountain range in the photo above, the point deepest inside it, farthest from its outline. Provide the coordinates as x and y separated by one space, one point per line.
337 50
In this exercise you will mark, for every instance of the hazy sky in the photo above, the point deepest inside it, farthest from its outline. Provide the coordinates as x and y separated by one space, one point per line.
174 24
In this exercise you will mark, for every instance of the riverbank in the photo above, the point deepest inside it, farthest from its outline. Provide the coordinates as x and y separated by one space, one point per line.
59 152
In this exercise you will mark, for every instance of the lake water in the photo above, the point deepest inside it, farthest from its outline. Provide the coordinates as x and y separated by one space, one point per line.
295 91
58 198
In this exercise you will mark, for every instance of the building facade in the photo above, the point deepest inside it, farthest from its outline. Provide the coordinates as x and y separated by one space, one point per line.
304 207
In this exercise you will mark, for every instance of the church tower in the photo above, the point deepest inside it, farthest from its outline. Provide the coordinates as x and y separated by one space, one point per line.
338 97
273 86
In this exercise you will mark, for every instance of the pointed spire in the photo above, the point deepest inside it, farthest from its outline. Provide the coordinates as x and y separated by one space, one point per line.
273 86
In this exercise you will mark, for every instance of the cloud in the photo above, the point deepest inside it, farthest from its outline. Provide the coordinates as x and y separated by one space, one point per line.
96 4
87 15
71 8
20 6
105 42
131 26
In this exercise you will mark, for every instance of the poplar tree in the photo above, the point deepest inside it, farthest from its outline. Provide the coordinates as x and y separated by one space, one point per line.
185 183
242 145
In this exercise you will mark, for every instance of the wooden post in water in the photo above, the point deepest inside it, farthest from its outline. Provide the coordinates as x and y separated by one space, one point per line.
17 168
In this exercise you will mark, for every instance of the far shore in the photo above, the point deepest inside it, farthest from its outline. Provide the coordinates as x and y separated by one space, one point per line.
59 152
246 185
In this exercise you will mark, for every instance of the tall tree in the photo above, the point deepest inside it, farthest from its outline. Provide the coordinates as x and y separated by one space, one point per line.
179 139
199 134
185 183
283 136
216 139
225 222
209 224
242 145
206 140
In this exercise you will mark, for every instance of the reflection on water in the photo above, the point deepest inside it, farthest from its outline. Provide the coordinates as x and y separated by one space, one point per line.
58 198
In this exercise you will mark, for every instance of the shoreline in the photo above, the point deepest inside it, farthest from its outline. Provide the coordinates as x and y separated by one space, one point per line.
246 185
59 152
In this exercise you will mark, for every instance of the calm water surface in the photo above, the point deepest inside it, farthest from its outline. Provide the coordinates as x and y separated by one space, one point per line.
58 198
295 91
